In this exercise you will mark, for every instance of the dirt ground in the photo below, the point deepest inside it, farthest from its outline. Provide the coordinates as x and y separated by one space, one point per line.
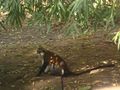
19 64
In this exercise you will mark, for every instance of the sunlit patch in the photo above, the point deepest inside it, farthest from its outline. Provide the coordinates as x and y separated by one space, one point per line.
109 88
97 81
105 62
77 70
34 52
96 71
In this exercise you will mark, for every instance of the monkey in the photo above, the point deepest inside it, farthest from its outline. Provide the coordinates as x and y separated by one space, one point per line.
55 65
52 63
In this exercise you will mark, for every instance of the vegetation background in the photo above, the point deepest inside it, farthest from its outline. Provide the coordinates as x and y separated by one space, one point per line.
75 17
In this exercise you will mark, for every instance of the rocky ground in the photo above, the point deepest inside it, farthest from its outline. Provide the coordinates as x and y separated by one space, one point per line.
19 64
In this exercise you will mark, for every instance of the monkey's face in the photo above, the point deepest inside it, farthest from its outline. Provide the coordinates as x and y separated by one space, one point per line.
40 51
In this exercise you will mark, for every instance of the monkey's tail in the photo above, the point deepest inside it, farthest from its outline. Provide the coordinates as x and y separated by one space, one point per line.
89 70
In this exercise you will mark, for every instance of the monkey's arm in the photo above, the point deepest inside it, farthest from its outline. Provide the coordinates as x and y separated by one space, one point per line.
42 69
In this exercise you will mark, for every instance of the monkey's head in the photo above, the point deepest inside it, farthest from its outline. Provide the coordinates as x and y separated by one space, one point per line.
41 50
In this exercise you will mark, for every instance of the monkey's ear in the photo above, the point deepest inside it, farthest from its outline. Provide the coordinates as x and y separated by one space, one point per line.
39 49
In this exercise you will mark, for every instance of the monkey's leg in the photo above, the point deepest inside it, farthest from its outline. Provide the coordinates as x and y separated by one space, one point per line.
62 72
47 69
51 69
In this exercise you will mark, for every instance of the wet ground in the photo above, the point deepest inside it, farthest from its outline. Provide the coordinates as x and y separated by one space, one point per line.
19 64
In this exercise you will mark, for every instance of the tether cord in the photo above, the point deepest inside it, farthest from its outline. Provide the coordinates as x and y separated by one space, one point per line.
62 86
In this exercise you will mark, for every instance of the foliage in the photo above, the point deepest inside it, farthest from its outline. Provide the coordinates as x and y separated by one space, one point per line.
16 12
116 39
85 88
84 13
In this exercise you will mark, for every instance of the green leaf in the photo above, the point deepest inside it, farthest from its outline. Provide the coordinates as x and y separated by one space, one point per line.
116 39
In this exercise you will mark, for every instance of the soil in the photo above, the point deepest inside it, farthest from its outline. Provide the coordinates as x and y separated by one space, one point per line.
19 63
